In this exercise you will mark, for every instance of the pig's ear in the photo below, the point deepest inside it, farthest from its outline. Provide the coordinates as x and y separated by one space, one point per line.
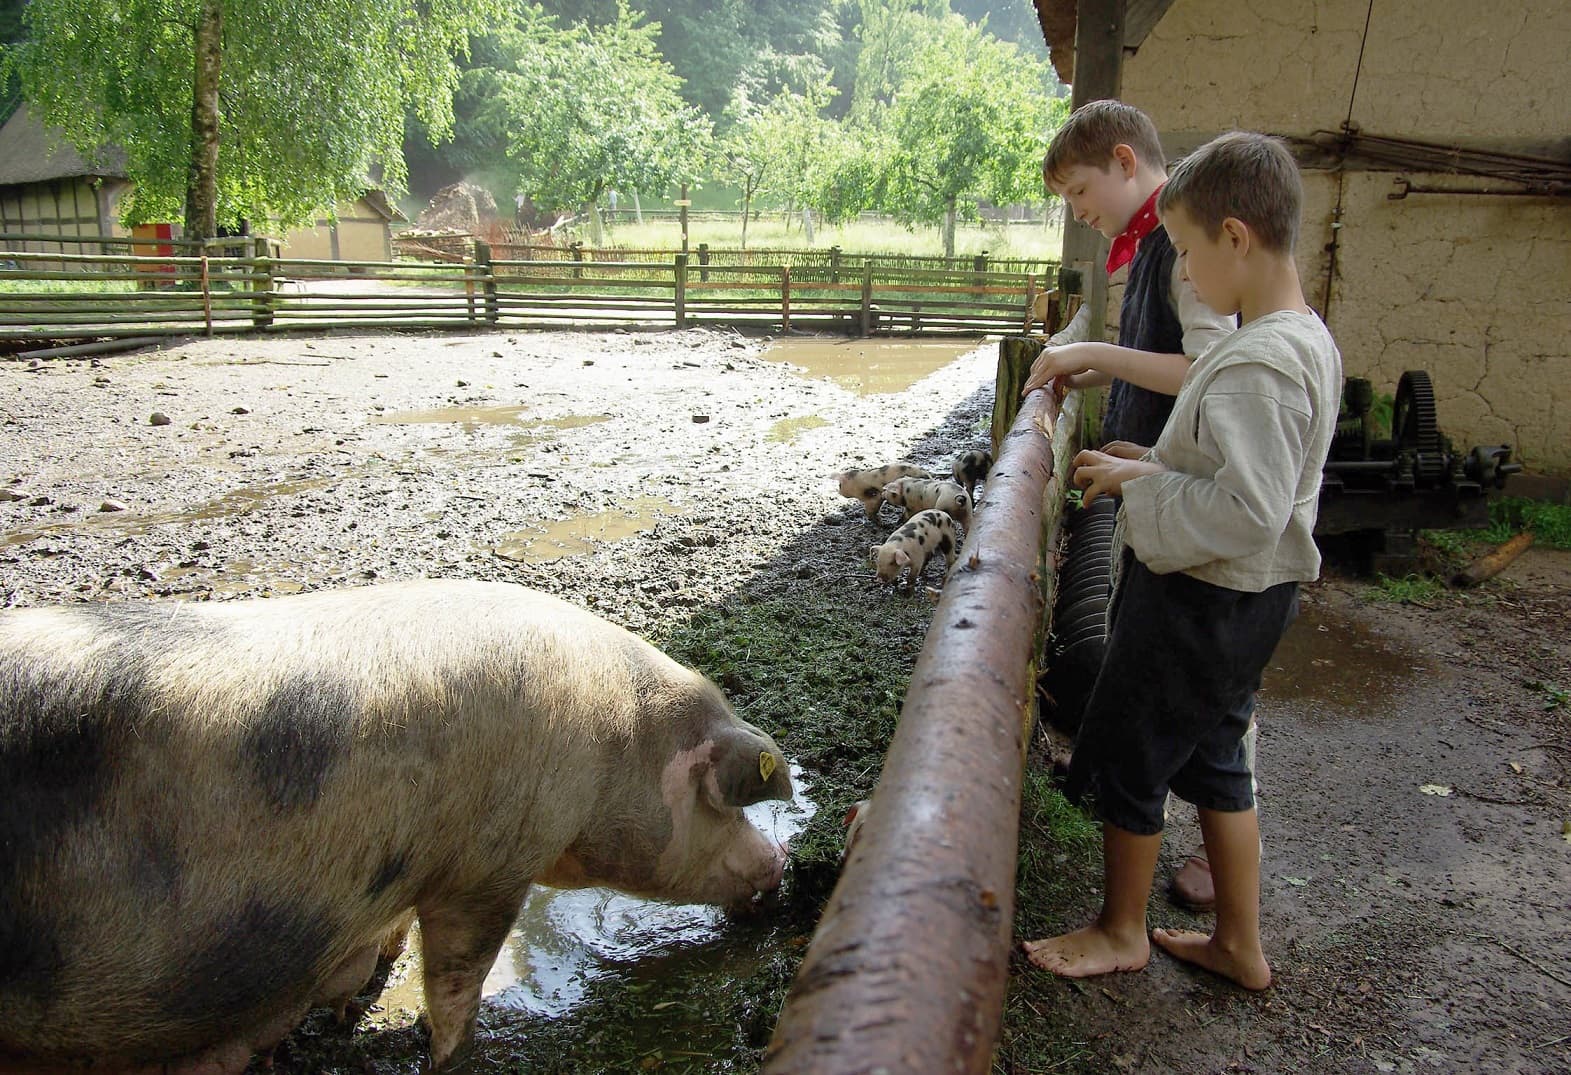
745 768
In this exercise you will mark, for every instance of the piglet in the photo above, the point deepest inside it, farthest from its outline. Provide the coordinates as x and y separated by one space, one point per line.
910 547
867 485
972 467
918 494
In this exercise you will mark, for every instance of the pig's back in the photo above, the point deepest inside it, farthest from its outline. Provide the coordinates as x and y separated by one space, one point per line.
208 806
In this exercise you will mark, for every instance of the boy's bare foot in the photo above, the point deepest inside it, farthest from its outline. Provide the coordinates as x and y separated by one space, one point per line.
1088 951
1249 971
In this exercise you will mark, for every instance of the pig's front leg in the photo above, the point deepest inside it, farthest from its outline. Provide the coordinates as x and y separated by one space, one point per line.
459 940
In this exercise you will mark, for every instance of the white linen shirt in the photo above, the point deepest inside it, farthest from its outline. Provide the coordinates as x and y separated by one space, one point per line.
1244 448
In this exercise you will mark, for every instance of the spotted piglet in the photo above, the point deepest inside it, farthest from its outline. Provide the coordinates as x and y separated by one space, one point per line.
868 485
917 494
927 533
972 467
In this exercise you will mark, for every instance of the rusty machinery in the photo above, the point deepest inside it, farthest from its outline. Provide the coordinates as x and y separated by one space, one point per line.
1376 491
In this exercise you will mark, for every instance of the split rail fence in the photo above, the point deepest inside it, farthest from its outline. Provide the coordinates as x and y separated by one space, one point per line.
188 289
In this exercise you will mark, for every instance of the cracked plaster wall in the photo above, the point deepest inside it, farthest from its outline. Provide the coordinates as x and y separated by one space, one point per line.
1476 290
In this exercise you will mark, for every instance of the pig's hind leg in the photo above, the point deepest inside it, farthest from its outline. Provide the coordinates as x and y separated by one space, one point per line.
459 940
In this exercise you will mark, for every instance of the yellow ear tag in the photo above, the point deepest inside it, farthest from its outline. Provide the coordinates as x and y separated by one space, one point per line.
766 765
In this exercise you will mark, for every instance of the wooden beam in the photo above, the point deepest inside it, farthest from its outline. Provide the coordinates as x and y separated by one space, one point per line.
1141 18
1099 74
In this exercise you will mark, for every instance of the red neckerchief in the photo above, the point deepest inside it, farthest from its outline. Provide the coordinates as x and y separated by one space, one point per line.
1143 223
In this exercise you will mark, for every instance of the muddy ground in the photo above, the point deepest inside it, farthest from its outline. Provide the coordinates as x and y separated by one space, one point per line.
1414 759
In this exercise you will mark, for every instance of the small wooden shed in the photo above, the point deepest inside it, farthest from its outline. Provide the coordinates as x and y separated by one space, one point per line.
362 232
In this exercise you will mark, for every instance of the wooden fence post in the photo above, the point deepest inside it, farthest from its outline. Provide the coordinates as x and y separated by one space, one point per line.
785 299
207 297
261 285
578 257
867 300
681 291
703 263
834 264
1030 303
487 280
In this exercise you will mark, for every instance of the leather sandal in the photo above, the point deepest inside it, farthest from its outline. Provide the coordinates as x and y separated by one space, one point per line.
1192 886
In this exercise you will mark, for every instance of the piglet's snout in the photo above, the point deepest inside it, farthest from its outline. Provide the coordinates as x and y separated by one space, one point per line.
762 868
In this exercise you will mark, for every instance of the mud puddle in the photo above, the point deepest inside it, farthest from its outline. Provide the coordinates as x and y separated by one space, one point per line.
565 939
1325 657
239 502
869 367
580 534
473 419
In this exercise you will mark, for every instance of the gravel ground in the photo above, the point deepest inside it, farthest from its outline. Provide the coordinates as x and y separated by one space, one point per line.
671 480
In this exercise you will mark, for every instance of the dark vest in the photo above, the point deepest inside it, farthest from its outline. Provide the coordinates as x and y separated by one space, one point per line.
1146 322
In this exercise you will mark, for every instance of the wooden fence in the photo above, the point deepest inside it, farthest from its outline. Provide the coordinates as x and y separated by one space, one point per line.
85 296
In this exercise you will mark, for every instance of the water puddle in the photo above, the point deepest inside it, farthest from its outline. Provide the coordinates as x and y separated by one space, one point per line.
869 367
472 419
564 939
581 534
238 502
787 429
1326 658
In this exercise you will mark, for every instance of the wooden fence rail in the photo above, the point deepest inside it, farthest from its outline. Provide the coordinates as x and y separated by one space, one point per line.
58 296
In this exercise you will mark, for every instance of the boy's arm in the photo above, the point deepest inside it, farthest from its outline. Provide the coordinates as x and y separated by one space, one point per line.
1255 422
1086 364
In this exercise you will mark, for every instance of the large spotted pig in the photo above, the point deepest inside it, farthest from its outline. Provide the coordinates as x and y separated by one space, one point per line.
868 485
214 814
918 494
910 547
972 467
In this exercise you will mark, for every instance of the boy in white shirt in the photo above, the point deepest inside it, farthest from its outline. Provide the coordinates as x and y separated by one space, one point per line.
1218 519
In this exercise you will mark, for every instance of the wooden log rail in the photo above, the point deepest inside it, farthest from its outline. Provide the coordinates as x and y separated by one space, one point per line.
908 968
177 293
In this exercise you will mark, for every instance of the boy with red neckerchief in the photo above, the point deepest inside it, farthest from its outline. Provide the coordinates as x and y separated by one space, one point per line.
1107 163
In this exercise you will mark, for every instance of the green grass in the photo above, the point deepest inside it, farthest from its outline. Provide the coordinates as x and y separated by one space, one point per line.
1409 588
858 236
53 287
1508 516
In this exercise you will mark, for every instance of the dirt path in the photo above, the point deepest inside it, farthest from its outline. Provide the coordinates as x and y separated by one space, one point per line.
676 480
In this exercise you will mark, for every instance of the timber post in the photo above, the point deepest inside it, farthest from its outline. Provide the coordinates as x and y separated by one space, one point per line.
681 290
867 300
261 285
785 300
487 280
703 263
1015 355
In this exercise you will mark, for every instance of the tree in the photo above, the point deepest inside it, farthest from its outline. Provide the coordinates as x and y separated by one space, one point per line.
774 143
969 120
590 109
238 109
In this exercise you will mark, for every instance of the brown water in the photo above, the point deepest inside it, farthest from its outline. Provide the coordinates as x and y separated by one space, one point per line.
564 939
787 429
869 367
580 534
1326 658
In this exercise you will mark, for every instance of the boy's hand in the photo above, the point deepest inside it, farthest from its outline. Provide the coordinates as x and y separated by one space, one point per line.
1061 362
1100 473
1124 449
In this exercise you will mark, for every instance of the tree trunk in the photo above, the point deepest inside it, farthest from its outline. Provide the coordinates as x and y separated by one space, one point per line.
596 232
807 224
638 208
949 226
201 192
747 204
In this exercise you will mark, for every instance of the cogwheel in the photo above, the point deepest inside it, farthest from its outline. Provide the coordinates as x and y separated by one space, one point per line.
1414 428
